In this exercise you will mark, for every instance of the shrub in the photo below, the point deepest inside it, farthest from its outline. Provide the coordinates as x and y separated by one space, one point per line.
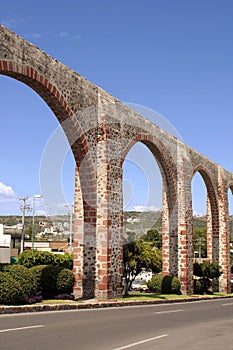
208 270
166 285
175 285
198 289
11 292
2 267
155 284
52 280
46 279
30 259
64 297
37 272
161 284
24 277
65 261
65 281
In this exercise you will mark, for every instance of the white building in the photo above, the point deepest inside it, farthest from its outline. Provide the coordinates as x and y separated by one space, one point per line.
5 247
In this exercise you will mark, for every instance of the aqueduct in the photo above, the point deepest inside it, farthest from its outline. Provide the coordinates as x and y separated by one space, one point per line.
101 130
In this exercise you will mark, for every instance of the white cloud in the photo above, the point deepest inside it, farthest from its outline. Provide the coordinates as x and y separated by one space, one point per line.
63 34
66 35
9 203
40 212
9 23
6 191
77 37
13 22
144 208
33 36
195 213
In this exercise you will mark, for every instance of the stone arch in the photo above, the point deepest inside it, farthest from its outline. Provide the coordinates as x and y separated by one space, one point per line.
52 97
212 213
169 192
52 93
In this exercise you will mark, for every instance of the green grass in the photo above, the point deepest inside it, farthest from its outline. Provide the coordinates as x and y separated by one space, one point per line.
138 297
57 301
144 296
151 296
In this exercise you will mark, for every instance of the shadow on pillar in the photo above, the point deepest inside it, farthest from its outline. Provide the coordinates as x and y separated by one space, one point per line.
89 262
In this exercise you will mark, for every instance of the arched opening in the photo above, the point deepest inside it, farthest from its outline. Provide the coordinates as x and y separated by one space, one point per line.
142 190
212 213
199 203
148 190
27 126
55 105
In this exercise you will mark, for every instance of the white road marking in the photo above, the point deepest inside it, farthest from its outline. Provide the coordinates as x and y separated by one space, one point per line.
140 342
168 312
227 304
20 328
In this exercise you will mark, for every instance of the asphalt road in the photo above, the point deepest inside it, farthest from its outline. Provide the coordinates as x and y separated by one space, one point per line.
206 325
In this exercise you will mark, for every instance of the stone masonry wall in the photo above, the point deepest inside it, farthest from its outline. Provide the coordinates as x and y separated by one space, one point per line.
101 130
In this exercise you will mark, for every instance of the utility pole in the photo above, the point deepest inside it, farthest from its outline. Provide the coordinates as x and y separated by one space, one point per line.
24 207
70 213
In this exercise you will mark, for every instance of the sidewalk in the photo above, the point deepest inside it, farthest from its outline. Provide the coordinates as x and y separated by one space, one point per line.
97 304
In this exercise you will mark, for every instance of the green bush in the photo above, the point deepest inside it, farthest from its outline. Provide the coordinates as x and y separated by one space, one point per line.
175 285
30 259
155 284
65 281
52 280
24 277
2 267
166 285
46 279
11 292
198 289
37 272
65 261
161 284
208 271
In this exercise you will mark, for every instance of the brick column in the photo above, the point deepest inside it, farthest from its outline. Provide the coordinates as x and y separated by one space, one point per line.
185 241
209 232
85 230
165 235
78 233
224 237
109 228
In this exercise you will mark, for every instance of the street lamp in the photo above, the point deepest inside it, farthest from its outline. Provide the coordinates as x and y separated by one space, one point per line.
71 226
33 217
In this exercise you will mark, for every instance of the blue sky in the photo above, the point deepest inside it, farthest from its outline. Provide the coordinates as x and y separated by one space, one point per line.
174 57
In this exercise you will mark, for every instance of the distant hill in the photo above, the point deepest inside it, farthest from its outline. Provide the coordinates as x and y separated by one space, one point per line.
134 221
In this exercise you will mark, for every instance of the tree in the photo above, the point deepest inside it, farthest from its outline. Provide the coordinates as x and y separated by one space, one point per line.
199 241
139 255
154 237
207 271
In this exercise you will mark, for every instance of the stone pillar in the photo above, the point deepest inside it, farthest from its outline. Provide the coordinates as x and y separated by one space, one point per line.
85 230
224 237
78 237
209 233
169 234
165 234
109 228
185 242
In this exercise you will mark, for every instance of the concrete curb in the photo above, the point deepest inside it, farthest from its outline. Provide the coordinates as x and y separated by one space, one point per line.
96 304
